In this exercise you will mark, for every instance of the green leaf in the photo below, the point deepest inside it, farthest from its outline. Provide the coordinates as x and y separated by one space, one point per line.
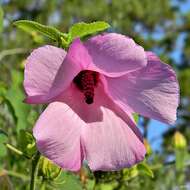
3 150
107 186
1 19
48 169
15 97
82 29
3 139
144 168
31 26
67 181
27 143
105 177
90 183
130 173
184 81
2 92
2 89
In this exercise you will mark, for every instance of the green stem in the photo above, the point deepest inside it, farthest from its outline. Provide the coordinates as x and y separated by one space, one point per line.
95 185
43 185
8 52
26 178
17 151
17 175
34 171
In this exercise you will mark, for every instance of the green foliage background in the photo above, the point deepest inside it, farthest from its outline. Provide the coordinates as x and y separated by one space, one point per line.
160 26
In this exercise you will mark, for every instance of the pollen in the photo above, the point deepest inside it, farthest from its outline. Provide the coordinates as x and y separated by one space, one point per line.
86 81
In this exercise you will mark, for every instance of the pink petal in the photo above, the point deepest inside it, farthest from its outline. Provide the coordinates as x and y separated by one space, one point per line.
115 54
90 113
111 144
77 59
152 91
41 68
57 133
105 128
75 99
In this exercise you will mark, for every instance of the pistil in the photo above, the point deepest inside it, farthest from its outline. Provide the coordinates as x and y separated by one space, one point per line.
86 81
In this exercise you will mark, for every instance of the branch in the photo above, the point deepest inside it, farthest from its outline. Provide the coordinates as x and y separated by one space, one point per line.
8 52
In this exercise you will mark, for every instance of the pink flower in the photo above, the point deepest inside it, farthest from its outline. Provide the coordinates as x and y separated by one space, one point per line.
93 89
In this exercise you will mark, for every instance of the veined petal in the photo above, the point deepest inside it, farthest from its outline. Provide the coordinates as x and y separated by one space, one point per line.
77 59
75 99
111 144
152 91
115 54
93 112
57 137
57 134
41 68
110 139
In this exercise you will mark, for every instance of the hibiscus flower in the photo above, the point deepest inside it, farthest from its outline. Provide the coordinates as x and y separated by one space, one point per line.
92 91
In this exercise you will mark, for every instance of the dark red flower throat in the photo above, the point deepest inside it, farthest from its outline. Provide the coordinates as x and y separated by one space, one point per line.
86 81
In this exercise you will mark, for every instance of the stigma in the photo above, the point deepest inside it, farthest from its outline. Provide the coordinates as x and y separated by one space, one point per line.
86 81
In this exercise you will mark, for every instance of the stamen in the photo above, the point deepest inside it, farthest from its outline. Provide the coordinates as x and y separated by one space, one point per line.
86 81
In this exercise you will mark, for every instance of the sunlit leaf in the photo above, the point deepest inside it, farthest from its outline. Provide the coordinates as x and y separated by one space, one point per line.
144 168
106 187
32 26
129 173
15 96
83 29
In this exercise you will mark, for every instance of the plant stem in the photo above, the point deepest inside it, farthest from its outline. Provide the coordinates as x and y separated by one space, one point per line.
43 185
17 151
14 149
17 175
95 184
34 171
25 178
8 52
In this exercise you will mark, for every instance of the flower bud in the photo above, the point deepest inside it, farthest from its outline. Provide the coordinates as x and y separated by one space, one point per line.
148 147
48 169
179 140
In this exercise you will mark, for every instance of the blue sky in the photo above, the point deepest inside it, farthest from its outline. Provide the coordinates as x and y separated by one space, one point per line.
155 131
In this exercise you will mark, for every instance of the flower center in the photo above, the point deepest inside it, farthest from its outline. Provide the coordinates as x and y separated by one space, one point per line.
86 81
